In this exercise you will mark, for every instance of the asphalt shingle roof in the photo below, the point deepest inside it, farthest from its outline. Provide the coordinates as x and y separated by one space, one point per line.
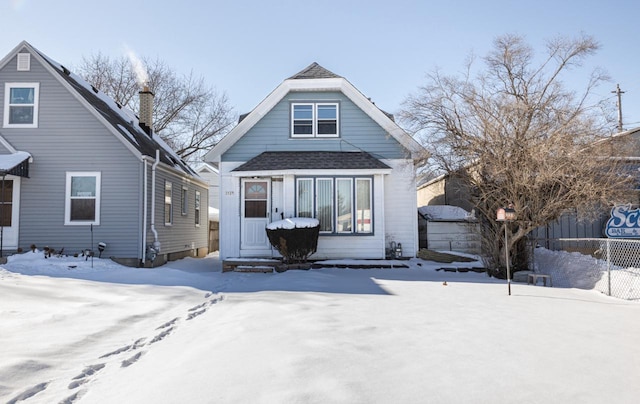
315 71
312 160
129 129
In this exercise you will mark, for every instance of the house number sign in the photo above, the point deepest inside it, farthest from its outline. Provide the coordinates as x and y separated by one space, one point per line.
623 223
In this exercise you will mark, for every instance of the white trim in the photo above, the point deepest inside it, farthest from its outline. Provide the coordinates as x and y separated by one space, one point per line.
11 233
7 105
67 198
168 185
293 119
314 120
184 198
308 172
197 208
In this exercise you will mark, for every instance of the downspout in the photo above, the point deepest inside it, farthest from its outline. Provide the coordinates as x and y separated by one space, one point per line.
156 243
144 213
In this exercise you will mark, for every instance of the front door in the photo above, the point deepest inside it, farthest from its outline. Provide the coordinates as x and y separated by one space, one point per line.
256 211
9 212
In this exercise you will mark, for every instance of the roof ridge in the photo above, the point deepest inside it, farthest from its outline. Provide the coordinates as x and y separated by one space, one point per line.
314 71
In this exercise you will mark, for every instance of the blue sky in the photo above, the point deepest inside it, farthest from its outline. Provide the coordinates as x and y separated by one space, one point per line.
385 48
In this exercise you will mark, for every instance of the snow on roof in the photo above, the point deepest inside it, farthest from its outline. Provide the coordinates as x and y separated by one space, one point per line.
9 161
446 213
293 223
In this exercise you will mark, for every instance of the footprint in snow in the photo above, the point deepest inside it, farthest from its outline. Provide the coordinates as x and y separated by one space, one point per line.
128 362
201 308
72 398
162 335
136 345
168 323
28 393
83 377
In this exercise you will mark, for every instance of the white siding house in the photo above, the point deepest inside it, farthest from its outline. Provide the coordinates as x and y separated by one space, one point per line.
317 147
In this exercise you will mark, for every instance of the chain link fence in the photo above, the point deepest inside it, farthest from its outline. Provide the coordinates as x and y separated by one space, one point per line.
611 266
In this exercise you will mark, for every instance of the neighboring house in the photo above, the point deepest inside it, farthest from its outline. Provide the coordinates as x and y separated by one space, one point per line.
449 190
211 175
78 170
317 147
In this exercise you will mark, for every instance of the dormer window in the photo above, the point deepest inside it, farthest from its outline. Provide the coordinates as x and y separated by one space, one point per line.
314 120
21 105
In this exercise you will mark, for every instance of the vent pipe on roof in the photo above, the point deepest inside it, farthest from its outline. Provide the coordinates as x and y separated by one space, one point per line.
146 110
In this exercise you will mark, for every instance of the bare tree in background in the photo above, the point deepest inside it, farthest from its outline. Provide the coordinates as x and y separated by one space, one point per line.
189 116
514 135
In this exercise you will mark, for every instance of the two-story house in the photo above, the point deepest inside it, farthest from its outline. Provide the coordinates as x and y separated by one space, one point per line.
317 147
78 169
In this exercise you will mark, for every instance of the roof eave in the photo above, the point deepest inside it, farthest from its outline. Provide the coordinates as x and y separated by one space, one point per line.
271 173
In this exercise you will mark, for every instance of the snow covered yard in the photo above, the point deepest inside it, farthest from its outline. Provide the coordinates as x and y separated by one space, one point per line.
186 332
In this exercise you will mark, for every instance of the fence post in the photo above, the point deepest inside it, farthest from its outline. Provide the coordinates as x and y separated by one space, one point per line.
608 267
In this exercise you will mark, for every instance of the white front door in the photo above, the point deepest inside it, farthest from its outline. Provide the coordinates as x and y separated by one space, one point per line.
256 210
9 212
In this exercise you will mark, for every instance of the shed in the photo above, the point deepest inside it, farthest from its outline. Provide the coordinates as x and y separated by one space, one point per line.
448 228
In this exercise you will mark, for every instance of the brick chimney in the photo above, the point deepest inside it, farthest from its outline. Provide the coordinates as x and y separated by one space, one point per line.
146 110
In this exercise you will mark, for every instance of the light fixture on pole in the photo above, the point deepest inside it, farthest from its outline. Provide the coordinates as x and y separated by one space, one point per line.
506 215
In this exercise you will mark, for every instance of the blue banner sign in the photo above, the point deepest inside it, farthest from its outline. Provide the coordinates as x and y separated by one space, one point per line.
624 222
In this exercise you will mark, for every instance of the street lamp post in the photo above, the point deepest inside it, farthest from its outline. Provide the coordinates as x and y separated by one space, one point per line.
506 215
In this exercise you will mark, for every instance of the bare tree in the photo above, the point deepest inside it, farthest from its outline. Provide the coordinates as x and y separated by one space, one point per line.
514 135
189 115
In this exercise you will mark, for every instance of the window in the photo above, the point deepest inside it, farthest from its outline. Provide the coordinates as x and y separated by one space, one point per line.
255 199
314 120
342 205
184 201
168 203
197 208
21 105
82 202
363 205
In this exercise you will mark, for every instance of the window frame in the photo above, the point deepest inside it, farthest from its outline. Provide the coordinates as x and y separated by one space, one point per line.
311 185
7 104
184 209
168 186
197 206
315 120
68 198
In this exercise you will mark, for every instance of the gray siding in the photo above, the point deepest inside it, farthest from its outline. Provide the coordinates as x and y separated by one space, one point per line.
357 132
69 138
182 234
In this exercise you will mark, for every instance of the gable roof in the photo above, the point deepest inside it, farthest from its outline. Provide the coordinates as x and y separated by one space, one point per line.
119 120
308 160
314 78
206 167
314 71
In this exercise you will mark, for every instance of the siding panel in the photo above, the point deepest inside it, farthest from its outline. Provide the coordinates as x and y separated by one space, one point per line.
357 132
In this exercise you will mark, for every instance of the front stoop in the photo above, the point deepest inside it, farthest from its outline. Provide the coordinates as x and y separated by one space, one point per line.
250 268
249 265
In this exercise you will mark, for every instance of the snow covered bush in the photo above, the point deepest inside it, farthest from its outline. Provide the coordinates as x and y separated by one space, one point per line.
294 238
